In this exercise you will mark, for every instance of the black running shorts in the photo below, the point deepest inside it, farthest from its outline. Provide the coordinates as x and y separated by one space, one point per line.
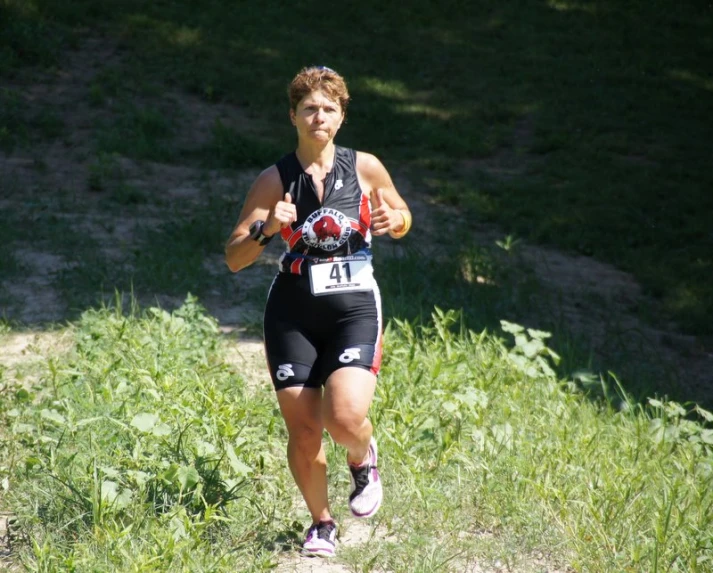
308 337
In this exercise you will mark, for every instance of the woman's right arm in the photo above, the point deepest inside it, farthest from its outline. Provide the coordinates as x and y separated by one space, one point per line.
263 203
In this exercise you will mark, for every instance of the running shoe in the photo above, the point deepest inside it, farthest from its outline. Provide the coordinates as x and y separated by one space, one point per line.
321 540
367 493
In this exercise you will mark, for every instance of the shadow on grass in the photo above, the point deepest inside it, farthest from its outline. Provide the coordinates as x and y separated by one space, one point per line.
487 285
611 98
599 111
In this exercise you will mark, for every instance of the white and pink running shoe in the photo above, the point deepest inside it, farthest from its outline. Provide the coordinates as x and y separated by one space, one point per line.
321 540
366 497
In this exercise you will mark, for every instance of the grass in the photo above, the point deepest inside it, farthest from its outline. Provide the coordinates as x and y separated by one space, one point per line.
20 127
229 148
581 125
28 38
604 107
172 266
140 447
136 132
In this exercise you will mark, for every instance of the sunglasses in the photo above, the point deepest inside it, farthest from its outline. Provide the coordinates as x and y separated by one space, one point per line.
322 69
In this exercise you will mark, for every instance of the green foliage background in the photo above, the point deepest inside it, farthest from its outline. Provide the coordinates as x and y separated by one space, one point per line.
586 125
583 125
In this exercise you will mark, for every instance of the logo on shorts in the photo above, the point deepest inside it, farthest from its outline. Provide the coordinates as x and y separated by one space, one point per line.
284 371
349 355
327 229
338 185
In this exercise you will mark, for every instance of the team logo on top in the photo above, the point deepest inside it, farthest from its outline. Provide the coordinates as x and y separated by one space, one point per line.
326 229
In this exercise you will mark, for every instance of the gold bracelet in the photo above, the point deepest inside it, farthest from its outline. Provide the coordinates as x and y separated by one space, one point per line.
406 215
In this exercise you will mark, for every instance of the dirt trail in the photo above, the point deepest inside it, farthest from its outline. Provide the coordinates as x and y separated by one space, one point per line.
352 533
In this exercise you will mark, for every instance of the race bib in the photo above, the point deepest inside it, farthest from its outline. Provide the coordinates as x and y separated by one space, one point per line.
341 276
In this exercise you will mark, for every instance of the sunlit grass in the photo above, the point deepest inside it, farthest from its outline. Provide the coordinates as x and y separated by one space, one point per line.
692 78
384 88
139 445
522 114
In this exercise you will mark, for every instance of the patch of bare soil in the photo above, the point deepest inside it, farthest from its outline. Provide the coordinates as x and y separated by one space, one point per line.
598 303
602 306
31 346
6 561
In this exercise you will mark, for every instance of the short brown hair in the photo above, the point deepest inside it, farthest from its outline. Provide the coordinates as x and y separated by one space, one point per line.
320 78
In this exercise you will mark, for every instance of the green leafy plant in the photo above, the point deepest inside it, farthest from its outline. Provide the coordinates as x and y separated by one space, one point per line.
142 422
530 353
141 448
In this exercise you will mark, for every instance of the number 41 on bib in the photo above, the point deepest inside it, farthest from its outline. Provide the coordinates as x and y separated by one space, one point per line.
341 276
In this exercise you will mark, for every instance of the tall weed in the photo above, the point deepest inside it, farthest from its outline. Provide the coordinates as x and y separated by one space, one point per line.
137 446
483 438
142 450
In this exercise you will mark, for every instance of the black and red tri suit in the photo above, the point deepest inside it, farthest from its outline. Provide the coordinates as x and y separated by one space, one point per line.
323 310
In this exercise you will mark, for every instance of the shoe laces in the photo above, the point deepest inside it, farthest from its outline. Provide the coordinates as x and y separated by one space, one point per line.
361 476
324 530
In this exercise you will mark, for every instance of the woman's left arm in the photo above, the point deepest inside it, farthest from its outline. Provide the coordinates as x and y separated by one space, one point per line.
390 213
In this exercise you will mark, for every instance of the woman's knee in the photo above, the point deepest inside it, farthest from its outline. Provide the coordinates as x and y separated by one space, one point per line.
345 427
306 438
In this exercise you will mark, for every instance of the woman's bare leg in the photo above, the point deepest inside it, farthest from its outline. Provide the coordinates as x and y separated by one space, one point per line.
301 410
347 396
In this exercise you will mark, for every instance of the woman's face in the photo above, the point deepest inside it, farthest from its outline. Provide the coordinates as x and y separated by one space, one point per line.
317 117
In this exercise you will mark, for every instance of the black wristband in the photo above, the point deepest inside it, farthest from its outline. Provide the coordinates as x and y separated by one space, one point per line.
256 233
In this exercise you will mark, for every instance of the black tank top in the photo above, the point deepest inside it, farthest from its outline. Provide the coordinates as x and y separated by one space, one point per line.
336 227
